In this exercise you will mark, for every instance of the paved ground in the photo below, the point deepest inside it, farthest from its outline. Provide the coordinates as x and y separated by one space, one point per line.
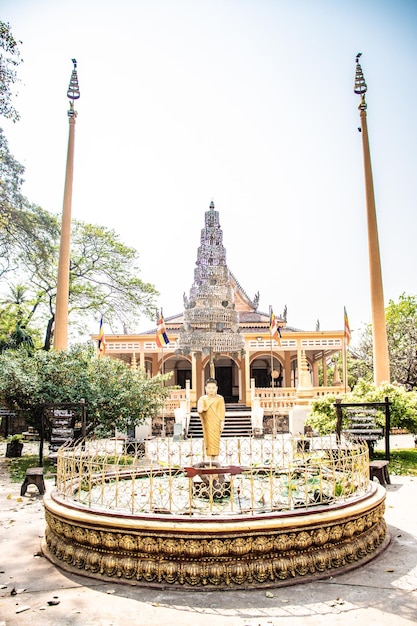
381 593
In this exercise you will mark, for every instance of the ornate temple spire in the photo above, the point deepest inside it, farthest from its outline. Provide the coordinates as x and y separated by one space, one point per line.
211 323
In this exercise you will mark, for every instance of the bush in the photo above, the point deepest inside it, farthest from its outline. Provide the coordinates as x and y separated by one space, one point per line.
403 406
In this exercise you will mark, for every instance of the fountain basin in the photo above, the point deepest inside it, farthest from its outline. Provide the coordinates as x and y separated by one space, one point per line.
240 551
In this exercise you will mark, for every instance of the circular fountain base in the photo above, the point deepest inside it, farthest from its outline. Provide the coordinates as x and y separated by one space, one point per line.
226 552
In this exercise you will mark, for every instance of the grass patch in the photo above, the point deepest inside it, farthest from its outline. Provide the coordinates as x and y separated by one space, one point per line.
17 467
402 462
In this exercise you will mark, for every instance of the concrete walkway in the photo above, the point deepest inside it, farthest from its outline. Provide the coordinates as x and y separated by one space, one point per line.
381 593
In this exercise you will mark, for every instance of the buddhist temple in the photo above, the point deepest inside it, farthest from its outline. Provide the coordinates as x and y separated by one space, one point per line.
222 331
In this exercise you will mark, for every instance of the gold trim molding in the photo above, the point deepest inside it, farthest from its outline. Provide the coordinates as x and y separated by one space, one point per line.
282 550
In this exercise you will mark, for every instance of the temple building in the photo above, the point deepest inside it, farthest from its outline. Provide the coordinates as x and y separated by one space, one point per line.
222 331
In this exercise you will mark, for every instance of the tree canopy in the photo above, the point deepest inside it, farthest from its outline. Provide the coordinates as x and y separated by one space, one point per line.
401 320
116 396
104 272
9 61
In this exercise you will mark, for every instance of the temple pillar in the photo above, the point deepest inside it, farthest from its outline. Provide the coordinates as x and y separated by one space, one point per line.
324 366
315 373
142 356
199 383
155 364
246 387
287 369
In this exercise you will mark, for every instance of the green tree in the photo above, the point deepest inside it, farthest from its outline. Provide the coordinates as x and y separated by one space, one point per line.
11 171
115 395
104 276
9 60
401 319
15 314
104 273
11 201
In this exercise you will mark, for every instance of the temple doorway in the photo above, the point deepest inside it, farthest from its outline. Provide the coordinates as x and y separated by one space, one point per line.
227 376
181 371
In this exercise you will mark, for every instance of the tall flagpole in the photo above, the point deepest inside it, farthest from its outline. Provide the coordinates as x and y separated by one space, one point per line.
379 329
163 406
158 317
346 342
344 363
62 293
274 424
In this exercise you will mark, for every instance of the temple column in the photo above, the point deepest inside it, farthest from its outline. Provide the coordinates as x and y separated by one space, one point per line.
142 356
287 368
155 364
324 365
193 373
246 391
315 373
299 355
199 383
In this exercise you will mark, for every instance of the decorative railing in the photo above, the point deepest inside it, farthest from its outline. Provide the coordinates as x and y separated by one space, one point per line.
279 401
253 476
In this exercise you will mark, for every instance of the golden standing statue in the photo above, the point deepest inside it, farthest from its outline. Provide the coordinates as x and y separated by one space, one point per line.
211 410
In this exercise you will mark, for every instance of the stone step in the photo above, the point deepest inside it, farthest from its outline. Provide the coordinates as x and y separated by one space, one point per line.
235 425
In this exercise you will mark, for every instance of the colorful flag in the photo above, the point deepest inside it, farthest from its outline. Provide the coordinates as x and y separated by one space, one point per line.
161 335
347 327
273 327
101 344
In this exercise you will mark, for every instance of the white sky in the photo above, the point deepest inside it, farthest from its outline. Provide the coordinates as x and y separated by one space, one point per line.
246 102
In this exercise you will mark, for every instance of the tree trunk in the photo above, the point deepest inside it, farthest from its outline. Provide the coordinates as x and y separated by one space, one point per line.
49 334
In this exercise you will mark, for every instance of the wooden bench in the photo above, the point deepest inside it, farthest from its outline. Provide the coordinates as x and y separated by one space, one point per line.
30 434
379 469
34 476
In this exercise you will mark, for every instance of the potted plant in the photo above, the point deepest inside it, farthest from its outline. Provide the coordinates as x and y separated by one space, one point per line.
14 446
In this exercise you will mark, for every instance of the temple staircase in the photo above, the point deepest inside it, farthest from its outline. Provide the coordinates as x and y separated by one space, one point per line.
237 422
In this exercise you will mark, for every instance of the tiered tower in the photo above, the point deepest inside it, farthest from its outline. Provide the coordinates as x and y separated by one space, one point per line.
211 322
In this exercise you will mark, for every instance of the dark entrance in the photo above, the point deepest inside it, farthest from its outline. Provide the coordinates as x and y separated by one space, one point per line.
224 380
226 375
182 377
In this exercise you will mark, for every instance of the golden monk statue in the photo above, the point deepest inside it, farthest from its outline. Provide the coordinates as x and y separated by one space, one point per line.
211 410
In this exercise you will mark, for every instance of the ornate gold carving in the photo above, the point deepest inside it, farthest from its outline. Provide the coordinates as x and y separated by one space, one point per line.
215 548
282 543
321 536
128 543
262 544
240 546
303 540
215 559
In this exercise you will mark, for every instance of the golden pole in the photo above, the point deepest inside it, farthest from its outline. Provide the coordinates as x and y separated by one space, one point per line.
62 293
379 330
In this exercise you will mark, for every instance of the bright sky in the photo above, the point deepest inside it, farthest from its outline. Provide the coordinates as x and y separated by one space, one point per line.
248 103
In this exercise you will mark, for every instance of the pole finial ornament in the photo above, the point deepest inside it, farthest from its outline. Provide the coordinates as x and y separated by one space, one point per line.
73 92
360 85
